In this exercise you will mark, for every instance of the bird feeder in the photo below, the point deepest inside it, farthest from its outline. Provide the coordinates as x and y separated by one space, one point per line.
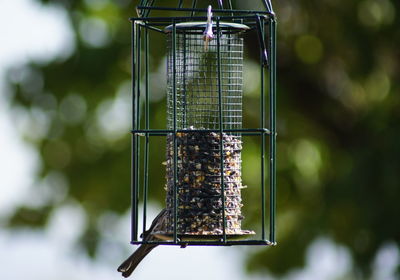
204 122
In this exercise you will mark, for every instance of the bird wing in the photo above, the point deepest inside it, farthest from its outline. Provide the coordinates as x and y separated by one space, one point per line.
155 224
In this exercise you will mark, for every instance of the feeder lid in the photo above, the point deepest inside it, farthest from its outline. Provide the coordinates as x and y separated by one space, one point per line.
201 25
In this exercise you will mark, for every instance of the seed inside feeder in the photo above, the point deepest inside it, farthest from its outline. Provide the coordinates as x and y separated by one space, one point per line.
199 192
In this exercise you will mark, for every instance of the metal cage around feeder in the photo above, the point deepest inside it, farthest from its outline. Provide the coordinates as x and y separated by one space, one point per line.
204 129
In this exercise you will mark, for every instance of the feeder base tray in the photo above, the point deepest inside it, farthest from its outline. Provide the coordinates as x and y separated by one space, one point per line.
243 234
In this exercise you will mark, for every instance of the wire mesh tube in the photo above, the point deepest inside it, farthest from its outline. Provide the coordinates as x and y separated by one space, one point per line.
204 83
196 80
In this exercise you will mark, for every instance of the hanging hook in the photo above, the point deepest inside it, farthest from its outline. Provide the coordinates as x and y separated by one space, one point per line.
208 34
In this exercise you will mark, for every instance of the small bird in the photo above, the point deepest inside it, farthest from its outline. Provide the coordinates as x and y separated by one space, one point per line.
159 224
208 34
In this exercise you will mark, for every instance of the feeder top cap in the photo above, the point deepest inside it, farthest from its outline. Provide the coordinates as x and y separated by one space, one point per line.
201 25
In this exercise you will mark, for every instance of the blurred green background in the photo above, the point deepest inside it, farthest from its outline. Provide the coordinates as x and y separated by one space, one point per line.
338 127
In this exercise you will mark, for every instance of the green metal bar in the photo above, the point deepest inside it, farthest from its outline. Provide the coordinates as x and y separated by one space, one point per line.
193 8
273 129
230 6
264 53
151 27
167 20
138 71
221 129
175 202
267 5
147 125
134 202
204 10
148 8
250 131
142 3
262 124
184 117
166 133
208 243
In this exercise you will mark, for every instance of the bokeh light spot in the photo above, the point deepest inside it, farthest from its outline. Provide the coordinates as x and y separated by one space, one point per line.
73 109
94 32
374 13
307 159
377 86
309 49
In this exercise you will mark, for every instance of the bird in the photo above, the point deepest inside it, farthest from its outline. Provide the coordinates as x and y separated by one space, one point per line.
208 33
159 224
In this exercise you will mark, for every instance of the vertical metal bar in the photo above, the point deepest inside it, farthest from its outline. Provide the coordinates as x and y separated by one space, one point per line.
230 6
134 231
193 7
261 39
147 125
272 128
175 191
233 120
180 3
137 159
267 5
220 111
184 105
270 6
140 12
262 124
147 12
145 4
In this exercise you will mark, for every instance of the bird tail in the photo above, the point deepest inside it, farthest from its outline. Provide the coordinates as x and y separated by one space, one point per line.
129 265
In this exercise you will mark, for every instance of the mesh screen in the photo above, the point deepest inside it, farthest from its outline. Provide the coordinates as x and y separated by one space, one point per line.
197 103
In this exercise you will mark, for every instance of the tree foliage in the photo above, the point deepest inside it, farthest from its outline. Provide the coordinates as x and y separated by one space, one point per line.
338 123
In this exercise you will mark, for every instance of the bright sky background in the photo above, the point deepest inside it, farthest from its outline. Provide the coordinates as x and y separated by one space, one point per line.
29 31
